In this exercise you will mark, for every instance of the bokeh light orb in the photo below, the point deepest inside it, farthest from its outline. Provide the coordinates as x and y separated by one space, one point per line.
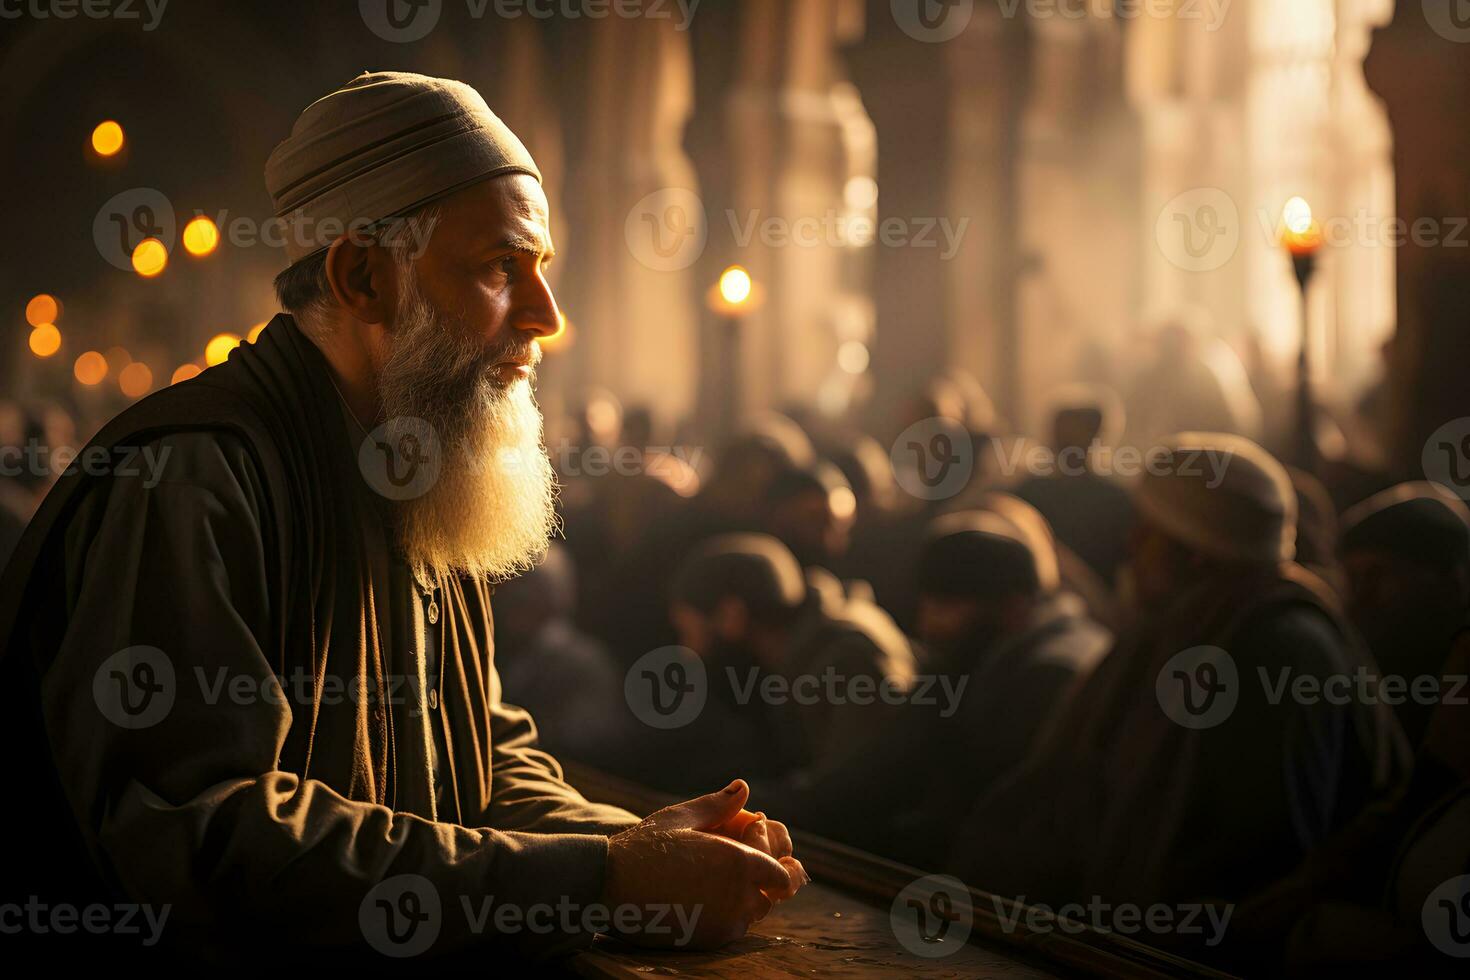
107 138
150 258
201 236
184 372
135 380
219 347
90 368
45 340
42 308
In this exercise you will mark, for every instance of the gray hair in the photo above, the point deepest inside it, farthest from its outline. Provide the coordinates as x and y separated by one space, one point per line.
303 289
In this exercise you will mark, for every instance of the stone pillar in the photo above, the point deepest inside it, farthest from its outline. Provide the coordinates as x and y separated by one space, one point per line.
947 112
626 97
777 134
1420 66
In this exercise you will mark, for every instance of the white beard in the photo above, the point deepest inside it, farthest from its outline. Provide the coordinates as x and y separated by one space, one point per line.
491 512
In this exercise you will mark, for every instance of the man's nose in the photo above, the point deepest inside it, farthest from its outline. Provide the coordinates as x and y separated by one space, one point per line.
539 316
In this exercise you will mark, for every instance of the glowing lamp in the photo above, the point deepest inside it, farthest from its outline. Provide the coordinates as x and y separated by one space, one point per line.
219 347
43 308
1300 232
90 368
735 285
107 138
150 258
135 380
201 237
45 340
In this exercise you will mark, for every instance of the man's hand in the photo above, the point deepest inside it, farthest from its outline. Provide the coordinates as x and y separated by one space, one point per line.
720 866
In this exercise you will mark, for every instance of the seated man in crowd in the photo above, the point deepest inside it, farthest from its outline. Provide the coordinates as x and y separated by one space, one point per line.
1008 643
1390 891
1406 552
1187 765
776 642
1089 513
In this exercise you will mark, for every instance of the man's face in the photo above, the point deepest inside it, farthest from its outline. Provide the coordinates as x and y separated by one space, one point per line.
485 266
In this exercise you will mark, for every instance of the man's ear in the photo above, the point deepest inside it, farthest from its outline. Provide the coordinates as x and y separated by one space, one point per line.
730 619
363 278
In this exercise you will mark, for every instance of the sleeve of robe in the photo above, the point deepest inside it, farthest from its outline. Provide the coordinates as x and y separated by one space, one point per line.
194 810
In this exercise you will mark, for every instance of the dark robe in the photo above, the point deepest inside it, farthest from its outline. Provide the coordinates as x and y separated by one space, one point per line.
1121 802
262 557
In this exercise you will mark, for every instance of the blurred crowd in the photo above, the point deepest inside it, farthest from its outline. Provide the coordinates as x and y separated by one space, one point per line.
1211 678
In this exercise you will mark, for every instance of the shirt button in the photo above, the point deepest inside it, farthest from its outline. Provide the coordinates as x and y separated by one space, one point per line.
434 699
433 611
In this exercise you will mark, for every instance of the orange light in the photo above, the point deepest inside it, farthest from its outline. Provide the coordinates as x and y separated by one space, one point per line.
201 236
219 347
150 258
135 380
43 308
45 340
1300 232
735 285
90 368
255 332
184 372
107 138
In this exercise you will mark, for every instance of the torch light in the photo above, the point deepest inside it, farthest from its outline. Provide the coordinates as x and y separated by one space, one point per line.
1302 237
733 296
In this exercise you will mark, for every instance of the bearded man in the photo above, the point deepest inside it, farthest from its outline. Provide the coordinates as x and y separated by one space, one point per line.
261 693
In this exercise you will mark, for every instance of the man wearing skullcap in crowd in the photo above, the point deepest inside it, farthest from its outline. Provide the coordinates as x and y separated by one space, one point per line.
1090 514
1186 749
340 498
1009 643
746 607
1407 556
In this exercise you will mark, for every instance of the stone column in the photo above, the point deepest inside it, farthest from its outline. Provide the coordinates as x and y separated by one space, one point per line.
1420 66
